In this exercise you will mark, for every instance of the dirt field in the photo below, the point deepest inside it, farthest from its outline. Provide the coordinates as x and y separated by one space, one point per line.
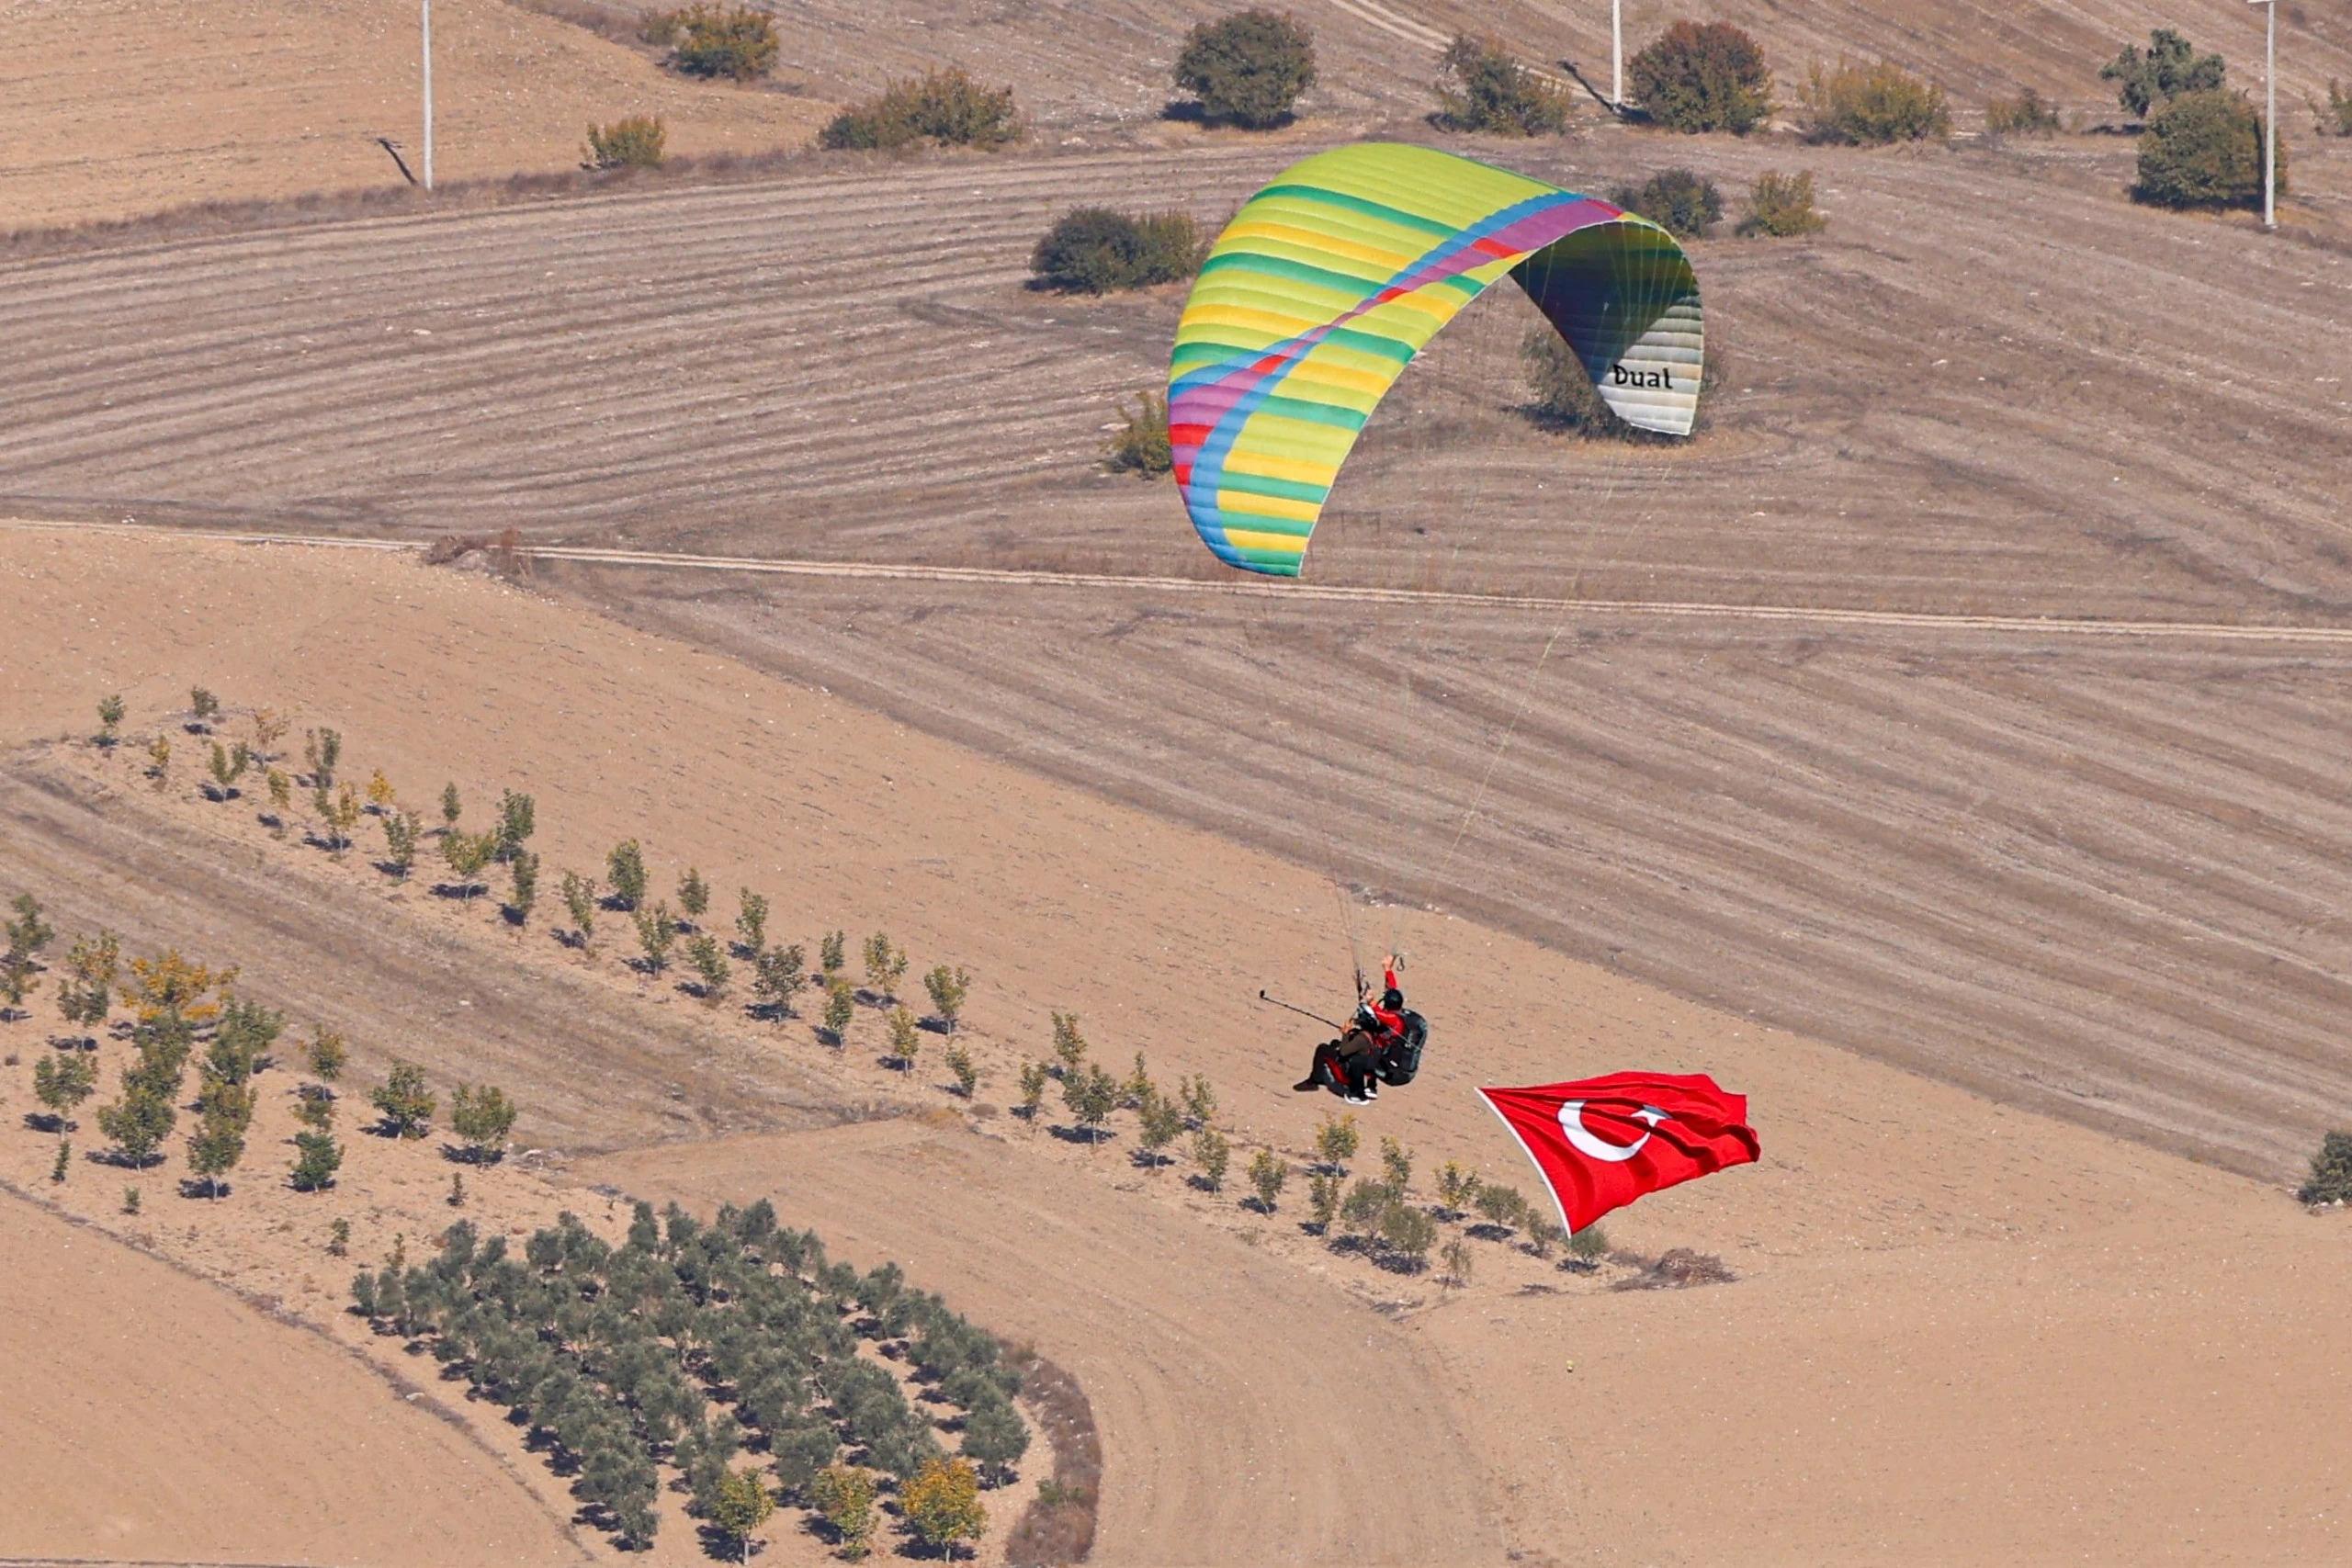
1938 1293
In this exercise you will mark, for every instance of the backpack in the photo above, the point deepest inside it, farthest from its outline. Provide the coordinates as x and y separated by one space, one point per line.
1401 1057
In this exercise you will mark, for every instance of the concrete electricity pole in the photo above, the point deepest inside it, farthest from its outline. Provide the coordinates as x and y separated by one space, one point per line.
428 94
2270 115
1617 53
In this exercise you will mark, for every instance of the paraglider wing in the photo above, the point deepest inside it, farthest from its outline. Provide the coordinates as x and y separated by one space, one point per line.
1328 282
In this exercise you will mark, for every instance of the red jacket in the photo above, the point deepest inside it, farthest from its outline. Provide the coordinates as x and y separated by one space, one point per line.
1391 1021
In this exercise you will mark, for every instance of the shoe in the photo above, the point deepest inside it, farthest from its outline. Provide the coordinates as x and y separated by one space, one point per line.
1355 1100
1309 1087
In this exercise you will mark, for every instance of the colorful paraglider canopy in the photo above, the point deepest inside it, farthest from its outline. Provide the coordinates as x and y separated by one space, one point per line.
1329 280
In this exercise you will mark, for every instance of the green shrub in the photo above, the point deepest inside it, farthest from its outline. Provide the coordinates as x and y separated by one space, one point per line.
2331 1180
1268 1171
906 1037
694 893
1501 1206
580 902
965 1071
1139 445
946 109
948 988
1456 1187
1409 1232
2028 114
1068 1044
1565 395
1681 201
624 869
1872 105
715 41
841 1006
2204 149
482 1118
1322 1200
111 714
776 976
1589 1245
1703 76
318 1157
830 949
2335 120
1336 1140
326 1053
2171 66
1092 250
752 920
843 1495
1781 206
1396 1165
1247 69
1091 1095
886 965
61 1083
1485 88
1034 1078
1213 1154
631 143
657 932
1360 1211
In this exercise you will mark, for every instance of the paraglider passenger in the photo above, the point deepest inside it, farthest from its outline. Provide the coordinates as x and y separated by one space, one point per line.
1351 1065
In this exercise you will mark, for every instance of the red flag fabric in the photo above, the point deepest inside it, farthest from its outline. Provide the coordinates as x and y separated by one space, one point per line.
1602 1143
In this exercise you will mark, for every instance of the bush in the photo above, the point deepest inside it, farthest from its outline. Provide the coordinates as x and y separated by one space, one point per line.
1565 395
1589 1245
1159 1120
1091 1095
776 976
2336 120
1680 201
1247 69
407 1106
2171 66
2028 114
906 1038
1703 76
1139 445
1360 1211
841 1006
1094 250
631 143
1034 1078
1872 105
710 966
946 109
830 950
1409 1232
886 965
2204 149
1501 1206
948 988
965 1071
1781 206
1322 1200
694 893
1213 1154
657 932
1457 1188
580 902
1068 1044
111 714
326 1053
1396 1165
752 920
715 41
1268 1171
2331 1180
1485 88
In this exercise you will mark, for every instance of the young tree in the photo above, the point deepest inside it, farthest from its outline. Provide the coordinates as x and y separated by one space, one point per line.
843 1495
452 806
966 1072
624 870
467 854
657 931
1409 1232
1589 1245
1160 1121
841 1006
314 1107
831 954
322 748
380 793
1456 1187
1485 88
317 1158
159 762
525 866
948 988
1396 1165
226 768
204 705
281 799
1212 1152
751 921
139 1122
1091 1095
741 1507
2204 149
884 967
130 1200
215 1147
86 992
580 903
29 932
1457 1258
1068 1044
1248 68
517 820
776 978
110 721
906 1038
694 893
1268 1171
63 1163
482 1118
401 830
404 1098
710 966
2171 66
1336 1141
943 1504
326 1053
19 977
457 1198
2331 1177
339 1234
1200 1101
63 1083
269 728
994 1439
1322 1200
1033 1078
1500 1206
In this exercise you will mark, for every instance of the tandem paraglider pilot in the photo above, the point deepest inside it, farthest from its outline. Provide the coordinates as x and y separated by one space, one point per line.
1382 1044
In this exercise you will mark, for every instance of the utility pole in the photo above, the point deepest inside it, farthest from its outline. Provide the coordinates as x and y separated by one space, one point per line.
1616 53
428 94
2270 115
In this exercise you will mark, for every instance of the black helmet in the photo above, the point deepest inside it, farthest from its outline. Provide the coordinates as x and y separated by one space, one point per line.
1393 999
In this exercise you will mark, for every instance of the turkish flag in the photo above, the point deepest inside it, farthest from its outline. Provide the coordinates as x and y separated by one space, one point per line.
1602 1143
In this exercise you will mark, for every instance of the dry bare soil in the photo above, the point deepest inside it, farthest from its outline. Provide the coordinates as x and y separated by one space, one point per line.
1960 1331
